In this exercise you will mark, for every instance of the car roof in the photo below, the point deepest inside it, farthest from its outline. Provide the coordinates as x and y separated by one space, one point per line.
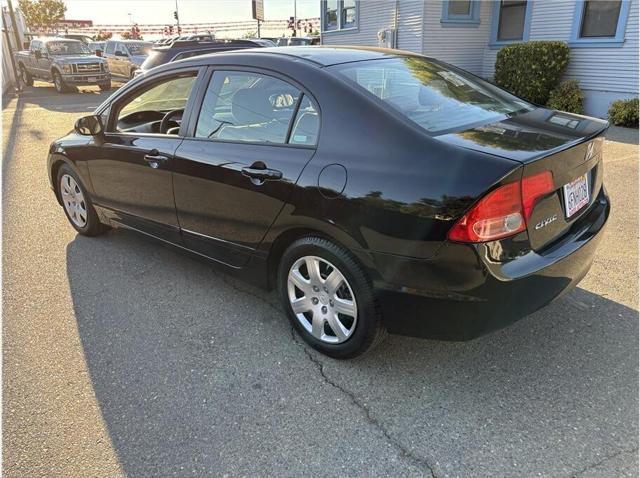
132 41
325 55
203 44
50 39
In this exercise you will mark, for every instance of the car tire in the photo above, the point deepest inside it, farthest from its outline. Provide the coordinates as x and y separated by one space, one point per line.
325 295
58 83
75 201
25 77
105 86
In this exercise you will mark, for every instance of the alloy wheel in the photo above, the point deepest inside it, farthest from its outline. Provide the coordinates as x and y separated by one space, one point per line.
73 200
57 81
322 299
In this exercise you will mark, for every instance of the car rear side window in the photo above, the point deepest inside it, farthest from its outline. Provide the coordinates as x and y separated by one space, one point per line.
436 96
306 125
247 107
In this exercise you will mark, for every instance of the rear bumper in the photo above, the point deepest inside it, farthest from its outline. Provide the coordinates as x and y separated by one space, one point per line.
461 294
86 79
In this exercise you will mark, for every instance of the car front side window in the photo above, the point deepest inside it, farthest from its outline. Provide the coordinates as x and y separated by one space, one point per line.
143 111
247 107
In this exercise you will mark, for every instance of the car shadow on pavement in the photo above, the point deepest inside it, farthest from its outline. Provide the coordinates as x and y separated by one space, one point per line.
197 373
45 96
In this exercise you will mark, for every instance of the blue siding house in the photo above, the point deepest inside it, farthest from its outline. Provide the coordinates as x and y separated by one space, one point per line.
602 34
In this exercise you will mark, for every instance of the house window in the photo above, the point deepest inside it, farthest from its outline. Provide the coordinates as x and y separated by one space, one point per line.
461 12
599 23
348 13
600 19
339 14
511 19
331 15
511 23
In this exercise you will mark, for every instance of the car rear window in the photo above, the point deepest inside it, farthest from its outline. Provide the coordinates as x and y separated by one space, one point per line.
437 97
154 59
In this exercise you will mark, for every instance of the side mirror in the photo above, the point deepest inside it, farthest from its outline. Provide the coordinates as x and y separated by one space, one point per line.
98 52
37 54
89 126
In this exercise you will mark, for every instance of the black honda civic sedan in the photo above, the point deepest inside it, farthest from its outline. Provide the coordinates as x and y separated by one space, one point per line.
377 190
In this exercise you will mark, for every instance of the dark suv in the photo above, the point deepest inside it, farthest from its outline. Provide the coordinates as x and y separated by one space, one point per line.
179 49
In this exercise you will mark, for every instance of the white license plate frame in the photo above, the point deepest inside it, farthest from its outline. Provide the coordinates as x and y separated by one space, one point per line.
576 195
92 78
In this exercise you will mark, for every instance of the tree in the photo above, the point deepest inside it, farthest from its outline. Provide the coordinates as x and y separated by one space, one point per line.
103 35
42 15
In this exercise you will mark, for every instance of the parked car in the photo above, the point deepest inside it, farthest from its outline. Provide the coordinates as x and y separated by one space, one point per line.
66 63
180 49
264 42
97 47
86 39
376 190
126 56
297 41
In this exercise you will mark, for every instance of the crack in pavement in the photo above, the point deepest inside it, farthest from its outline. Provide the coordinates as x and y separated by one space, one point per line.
404 452
603 461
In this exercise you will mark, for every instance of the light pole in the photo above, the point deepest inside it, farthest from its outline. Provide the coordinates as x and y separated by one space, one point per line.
177 15
130 18
295 18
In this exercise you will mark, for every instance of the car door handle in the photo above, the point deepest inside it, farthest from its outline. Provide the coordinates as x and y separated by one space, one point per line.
262 174
154 158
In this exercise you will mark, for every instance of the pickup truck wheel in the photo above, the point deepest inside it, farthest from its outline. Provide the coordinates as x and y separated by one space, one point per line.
105 86
26 78
58 83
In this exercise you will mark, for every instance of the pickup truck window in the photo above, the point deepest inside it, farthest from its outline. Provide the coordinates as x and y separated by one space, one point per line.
35 45
121 49
138 48
110 47
68 48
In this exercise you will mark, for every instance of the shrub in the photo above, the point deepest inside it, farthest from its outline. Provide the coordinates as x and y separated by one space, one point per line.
532 69
567 96
624 112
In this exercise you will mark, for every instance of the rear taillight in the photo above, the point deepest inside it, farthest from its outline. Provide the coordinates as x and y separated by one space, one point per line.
503 212
533 188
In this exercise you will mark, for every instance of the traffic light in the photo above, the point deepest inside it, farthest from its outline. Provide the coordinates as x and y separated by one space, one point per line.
175 14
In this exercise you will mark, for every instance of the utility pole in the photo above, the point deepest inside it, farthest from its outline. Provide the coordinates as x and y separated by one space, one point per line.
17 86
177 15
295 18
14 25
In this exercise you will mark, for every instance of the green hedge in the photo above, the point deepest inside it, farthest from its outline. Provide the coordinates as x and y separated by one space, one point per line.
567 96
624 112
532 69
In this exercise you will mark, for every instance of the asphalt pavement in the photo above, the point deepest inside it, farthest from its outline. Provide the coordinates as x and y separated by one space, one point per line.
123 357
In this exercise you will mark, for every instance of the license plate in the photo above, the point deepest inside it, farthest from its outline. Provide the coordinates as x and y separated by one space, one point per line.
92 78
576 195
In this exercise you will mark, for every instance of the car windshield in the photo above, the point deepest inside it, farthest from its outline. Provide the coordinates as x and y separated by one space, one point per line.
68 48
437 97
139 48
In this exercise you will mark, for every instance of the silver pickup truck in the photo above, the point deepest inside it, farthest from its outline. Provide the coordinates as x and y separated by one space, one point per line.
64 62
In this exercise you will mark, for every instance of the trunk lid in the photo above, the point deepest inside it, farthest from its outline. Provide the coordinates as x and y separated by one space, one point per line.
567 145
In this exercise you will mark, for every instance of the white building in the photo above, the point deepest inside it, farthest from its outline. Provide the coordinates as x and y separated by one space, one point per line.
603 35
